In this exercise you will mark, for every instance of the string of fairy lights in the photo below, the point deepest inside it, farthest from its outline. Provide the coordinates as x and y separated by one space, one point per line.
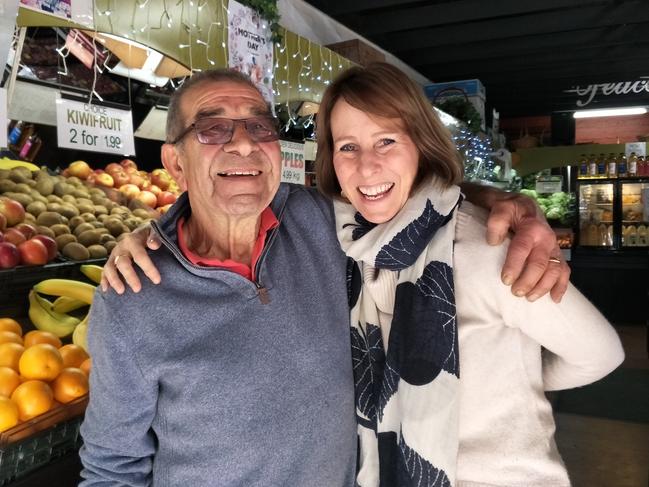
300 70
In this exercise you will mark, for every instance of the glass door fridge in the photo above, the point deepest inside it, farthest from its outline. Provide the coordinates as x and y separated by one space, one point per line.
613 214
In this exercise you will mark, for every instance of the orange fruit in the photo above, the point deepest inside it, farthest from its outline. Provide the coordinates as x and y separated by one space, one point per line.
35 337
69 385
40 362
10 337
9 380
86 365
8 413
10 354
9 324
73 355
33 397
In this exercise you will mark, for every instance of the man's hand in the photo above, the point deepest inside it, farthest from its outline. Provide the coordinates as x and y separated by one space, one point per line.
132 246
531 266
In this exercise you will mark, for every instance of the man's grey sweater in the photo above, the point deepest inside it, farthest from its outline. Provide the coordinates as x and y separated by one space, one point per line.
196 382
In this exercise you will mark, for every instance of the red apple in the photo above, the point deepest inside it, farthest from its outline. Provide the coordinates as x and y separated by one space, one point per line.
146 185
137 180
14 236
3 222
104 179
164 209
166 198
155 190
12 210
9 255
26 229
130 170
148 198
50 245
33 252
80 169
120 178
113 167
130 190
128 163
161 178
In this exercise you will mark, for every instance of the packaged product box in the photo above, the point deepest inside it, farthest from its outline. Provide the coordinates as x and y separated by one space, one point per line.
472 88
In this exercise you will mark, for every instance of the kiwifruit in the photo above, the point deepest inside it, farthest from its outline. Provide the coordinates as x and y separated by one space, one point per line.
4 173
68 198
22 188
65 220
103 218
22 198
84 201
98 199
52 198
89 237
64 239
142 213
53 206
36 196
97 251
29 218
17 176
88 216
115 227
45 186
27 173
97 191
110 245
101 210
76 251
75 221
73 180
7 186
68 210
81 193
60 229
48 218
31 183
85 208
97 224
47 231
83 227
106 237
132 223
36 207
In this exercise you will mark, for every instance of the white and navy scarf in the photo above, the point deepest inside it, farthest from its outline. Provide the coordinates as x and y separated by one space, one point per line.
404 340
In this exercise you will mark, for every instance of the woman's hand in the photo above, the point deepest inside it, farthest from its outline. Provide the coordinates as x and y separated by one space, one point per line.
534 265
131 248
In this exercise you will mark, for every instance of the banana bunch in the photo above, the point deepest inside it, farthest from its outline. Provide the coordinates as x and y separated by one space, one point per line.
6 163
71 295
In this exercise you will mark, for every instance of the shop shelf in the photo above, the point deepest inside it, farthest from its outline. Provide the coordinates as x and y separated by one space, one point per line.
34 443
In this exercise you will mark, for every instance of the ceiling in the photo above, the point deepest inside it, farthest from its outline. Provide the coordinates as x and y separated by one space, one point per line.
527 53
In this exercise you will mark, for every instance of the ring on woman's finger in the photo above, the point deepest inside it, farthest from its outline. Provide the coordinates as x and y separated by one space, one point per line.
551 259
117 258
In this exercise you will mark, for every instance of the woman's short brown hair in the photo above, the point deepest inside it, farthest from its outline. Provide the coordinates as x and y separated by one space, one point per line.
382 90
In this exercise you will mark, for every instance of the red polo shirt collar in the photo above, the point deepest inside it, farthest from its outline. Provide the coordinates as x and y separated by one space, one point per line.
268 222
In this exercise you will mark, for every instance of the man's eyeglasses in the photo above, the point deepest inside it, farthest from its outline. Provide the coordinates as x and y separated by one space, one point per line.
217 130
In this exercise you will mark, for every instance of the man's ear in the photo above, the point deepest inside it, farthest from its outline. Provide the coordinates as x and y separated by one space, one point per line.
172 162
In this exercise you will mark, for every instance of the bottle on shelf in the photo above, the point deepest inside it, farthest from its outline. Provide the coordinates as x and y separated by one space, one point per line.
14 135
592 166
611 163
24 151
623 165
601 166
633 166
643 167
583 167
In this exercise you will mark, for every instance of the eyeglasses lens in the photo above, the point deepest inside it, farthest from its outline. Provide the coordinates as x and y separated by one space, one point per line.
220 130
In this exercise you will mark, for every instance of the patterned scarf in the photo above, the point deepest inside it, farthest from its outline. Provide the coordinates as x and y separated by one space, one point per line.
404 340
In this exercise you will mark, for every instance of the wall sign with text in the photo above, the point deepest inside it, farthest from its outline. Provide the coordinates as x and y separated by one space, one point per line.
96 128
292 162
634 89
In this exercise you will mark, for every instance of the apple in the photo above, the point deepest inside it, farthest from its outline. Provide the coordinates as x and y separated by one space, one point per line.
3 222
33 252
113 167
130 190
12 210
161 178
120 178
148 198
50 245
92 179
136 179
128 163
80 169
9 255
146 185
166 198
104 179
155 190
26 229
164 209
14 236
131 170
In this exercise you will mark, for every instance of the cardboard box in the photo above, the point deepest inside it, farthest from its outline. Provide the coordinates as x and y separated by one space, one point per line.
357 51
472 88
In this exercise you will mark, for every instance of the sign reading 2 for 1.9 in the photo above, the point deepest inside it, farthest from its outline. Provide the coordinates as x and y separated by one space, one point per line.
94 128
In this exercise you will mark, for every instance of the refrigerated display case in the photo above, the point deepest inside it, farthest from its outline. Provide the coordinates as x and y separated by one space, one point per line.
613 213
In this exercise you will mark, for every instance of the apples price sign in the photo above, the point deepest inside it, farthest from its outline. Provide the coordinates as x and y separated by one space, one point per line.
292 162
96 128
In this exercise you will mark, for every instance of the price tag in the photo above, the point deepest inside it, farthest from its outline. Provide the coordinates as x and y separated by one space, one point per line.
3 117
95 128
292 162
549 184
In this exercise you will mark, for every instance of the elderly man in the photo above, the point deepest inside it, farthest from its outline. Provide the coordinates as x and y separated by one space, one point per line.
236 368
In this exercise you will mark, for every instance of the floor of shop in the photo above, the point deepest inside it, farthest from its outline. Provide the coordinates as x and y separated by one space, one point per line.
604 452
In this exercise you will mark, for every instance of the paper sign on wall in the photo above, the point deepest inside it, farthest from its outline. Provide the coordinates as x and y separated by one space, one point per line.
292 162
79 11
95 128
3 117
640 149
